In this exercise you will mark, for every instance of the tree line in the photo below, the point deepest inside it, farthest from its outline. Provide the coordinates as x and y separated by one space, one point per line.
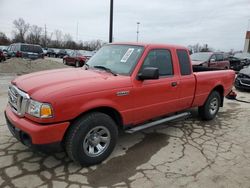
32 34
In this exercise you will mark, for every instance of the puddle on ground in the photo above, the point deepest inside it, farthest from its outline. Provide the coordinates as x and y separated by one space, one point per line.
119 169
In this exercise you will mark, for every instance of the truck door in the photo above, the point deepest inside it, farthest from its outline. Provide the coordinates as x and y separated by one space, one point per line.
155 98
187 80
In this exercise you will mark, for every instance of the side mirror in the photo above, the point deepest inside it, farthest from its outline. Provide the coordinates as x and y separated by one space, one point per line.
149 73
212 60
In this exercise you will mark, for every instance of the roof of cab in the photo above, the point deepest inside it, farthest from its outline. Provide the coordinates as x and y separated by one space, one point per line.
150 44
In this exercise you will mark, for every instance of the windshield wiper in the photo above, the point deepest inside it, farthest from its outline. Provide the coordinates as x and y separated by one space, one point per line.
106 69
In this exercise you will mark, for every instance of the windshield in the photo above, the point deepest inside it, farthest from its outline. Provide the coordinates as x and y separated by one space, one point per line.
200 56
120 59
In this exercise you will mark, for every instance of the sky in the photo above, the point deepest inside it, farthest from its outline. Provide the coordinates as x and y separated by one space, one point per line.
220 24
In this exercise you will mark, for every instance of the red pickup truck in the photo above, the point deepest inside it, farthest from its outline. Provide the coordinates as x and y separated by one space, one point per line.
124 86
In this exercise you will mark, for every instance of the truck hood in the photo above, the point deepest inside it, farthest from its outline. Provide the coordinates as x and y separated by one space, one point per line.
68 82
197 62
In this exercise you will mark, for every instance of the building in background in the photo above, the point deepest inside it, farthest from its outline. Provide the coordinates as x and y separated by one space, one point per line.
247 42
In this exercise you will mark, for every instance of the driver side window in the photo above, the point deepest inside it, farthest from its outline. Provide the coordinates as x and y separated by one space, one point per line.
213 57
160 59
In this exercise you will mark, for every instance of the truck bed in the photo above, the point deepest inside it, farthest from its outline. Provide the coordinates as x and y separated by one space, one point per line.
205 78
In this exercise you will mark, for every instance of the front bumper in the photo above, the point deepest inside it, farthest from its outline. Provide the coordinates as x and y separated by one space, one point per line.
33 134
241 83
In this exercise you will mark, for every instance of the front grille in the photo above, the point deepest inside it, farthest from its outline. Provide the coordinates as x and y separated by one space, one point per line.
18 100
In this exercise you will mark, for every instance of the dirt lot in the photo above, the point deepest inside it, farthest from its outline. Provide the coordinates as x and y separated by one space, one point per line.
21 66
188 153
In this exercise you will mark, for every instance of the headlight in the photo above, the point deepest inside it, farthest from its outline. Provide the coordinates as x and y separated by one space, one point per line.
39 110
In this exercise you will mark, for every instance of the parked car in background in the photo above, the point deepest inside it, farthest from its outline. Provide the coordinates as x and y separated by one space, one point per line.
2 56
244 56
87 54
56 52
51 52
45 50
62 53
23 50
236 63
242 80
4 50
210 59
69 51
76 58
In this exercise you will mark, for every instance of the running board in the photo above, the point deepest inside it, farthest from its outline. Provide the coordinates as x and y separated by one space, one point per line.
157 122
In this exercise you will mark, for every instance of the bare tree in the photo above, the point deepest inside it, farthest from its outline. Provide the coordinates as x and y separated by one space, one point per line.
21 28
93 45
35 35
58 38
4 40
67 37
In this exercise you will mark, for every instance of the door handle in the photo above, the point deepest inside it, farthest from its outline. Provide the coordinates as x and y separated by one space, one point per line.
174 84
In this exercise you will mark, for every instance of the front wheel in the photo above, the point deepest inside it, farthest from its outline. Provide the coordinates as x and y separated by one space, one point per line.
91 139
211 107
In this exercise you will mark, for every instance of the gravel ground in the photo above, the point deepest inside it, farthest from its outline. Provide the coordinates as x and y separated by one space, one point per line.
23 66
189 153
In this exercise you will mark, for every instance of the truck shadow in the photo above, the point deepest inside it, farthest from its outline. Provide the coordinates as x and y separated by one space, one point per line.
119 169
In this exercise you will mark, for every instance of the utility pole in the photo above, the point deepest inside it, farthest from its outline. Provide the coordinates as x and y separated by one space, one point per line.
137 32
111 21
248 25
45 36
77 32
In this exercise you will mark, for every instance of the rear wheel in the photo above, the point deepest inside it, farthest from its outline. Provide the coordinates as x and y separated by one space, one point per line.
211 107
91 139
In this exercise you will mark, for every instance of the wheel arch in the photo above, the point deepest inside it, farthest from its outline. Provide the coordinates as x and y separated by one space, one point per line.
220 89
110 111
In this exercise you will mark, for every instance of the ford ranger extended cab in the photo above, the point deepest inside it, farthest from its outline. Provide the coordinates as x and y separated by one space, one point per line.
124 86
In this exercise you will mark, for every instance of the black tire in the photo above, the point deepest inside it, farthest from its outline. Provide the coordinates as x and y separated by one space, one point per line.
79 135
211 107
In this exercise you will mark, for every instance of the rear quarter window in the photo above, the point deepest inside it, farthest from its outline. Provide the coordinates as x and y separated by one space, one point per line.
184 62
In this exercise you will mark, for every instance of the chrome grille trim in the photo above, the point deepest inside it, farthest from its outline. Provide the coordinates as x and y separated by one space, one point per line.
18 100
